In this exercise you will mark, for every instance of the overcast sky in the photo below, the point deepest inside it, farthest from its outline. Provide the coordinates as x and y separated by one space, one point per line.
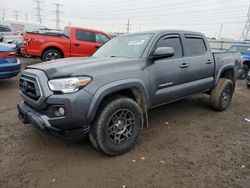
111 15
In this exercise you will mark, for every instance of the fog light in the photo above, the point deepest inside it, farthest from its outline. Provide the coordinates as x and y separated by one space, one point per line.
60 112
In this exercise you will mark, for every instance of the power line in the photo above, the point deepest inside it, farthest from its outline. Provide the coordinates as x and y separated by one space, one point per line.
16 14
38 10
161 6
26 17
246 29
58 13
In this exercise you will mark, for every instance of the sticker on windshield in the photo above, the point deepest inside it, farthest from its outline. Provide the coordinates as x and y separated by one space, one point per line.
136 42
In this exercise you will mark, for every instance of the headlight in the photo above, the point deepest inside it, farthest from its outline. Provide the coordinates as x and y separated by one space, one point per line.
68 85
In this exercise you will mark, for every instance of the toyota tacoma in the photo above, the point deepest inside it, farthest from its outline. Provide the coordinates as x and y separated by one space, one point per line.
108 96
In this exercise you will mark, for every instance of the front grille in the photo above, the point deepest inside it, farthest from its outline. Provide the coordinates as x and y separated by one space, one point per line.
28 86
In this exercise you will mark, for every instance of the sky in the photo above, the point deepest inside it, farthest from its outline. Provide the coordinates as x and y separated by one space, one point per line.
207 16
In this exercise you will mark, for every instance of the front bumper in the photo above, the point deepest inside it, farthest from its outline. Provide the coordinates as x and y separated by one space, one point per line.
29 115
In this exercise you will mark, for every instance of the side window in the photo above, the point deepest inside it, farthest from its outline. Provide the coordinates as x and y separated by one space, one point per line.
85 36
1 29
171 41
100 38
196 46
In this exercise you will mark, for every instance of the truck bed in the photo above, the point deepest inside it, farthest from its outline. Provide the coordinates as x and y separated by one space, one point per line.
223 58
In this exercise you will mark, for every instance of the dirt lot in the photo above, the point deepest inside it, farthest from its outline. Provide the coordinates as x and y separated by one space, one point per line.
187 145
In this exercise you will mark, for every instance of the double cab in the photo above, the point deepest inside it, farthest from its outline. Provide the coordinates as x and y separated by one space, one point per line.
108 96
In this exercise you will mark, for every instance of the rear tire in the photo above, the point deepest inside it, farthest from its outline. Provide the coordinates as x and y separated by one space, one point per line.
222 94
51 54
245 71
117 126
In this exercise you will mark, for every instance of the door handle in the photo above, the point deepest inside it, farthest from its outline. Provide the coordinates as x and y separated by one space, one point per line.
76 44
184 65
209 61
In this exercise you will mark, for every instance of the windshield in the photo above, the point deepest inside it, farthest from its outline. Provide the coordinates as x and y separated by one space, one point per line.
129 46
241 49
66 31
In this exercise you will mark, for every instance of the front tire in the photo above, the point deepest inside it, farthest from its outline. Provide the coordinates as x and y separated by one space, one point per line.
51 54
222 94
117 126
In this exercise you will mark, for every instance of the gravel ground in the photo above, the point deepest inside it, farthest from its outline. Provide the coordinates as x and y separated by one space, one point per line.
186 145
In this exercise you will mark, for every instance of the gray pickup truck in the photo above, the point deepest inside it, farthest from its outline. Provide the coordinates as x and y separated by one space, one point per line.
108 96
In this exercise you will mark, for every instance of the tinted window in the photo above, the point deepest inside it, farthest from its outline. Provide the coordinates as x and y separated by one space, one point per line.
5 29
241 49
85 36
196 46
100 38
173 42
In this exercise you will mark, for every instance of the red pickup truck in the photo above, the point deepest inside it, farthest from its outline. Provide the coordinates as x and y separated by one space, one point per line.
72 42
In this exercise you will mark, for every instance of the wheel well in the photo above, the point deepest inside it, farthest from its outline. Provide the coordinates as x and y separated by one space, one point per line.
135 94
56 48
229 74
247 63
130 92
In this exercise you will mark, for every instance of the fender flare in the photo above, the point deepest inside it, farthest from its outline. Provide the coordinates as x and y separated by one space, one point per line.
116 86
222 69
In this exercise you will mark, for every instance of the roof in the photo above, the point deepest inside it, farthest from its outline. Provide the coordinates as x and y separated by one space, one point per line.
169 30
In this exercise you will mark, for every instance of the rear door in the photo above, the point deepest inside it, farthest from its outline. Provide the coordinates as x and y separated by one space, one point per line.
200 63
86 43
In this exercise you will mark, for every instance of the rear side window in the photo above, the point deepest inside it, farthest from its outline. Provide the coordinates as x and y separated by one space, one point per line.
196 46
171 41
100 38
85 36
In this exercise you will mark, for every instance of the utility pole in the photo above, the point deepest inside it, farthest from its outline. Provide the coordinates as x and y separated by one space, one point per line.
128 27
58 13
26 17
38 10
221 27
3 14
246 29
16 12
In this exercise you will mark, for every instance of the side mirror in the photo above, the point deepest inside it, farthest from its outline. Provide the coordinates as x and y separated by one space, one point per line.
162 52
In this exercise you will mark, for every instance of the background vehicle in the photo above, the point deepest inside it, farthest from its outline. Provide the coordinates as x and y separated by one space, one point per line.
108 95
248 80
244 49
9 64
5 30
23 26
72 42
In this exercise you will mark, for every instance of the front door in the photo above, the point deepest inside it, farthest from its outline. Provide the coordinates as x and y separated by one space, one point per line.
84 43
166 74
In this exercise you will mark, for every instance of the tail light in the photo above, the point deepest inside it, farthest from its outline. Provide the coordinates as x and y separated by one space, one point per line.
7 54
26 41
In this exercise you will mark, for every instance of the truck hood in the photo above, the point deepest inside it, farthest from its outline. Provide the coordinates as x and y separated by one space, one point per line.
89 66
